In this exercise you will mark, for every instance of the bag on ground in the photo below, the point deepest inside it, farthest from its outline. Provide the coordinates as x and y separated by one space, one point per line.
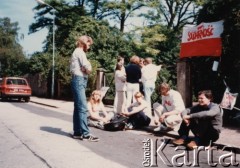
116 124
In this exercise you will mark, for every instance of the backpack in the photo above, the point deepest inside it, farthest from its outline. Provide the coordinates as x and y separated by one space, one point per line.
116 124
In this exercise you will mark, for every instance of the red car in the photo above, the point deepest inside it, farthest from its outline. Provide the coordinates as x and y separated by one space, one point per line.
15 87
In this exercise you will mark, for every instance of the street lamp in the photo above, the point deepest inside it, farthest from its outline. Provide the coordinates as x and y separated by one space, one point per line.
53 52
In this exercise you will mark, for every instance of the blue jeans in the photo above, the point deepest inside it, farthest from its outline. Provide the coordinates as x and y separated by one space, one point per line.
80 125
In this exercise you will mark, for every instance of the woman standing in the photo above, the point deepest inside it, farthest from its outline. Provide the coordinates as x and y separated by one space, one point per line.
120 86
80 67
120 61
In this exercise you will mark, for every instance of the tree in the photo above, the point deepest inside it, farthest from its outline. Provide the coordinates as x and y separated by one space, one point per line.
11 54
162 34
40 63
72 22
108 42
64 16
80 3
118 11
159 39
173 13
227 10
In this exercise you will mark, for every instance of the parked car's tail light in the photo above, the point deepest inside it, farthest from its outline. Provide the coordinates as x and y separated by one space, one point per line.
10 90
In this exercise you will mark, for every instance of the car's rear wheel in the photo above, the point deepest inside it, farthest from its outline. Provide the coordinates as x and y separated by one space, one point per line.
4 99
27 99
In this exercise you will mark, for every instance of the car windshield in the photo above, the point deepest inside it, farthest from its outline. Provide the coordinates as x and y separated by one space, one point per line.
16 82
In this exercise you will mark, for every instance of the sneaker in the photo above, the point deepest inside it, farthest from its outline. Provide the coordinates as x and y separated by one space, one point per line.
156 129
192 145
163 128
77 136
90 138
179 141
128 126
100 125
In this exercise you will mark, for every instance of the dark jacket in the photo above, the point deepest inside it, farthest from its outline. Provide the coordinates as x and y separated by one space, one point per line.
133 73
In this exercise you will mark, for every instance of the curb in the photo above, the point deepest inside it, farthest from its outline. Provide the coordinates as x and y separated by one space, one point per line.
43 104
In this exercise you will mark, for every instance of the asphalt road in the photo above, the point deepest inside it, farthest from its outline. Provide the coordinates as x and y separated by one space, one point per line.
35 136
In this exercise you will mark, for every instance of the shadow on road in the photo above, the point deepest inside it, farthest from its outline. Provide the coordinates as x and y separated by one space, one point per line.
55 131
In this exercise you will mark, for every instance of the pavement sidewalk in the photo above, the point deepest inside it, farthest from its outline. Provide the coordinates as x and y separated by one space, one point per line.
229 137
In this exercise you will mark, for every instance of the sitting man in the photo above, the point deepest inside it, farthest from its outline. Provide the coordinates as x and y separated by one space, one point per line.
169 112
203 119
136 113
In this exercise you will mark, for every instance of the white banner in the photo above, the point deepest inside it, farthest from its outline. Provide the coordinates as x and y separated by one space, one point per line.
202 40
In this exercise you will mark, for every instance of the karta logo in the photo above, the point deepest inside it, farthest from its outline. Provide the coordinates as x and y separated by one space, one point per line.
201 33
154 153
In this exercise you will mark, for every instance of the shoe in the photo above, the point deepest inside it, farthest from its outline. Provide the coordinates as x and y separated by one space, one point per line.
163 128
77 136
156 129
128 126
192 145
100 125
179 141
90 138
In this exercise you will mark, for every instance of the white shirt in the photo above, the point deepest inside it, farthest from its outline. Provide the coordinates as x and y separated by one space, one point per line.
79 60
141 107
149 73
173 101
120 80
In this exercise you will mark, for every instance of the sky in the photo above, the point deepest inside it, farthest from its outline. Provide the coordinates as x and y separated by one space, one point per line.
21 11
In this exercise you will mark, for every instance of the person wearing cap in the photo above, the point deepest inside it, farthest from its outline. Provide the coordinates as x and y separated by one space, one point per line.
169 112
80 68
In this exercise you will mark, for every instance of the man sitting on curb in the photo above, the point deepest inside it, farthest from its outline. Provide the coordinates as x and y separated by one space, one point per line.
169 112
136 113
204 120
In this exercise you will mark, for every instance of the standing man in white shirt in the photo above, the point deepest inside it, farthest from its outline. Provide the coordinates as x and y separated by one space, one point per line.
169 112
149 77
80 67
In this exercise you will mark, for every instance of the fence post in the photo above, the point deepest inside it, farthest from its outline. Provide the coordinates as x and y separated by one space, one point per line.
184 84
101 78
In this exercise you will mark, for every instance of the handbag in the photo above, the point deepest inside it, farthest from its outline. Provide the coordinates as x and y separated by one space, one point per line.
116 124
